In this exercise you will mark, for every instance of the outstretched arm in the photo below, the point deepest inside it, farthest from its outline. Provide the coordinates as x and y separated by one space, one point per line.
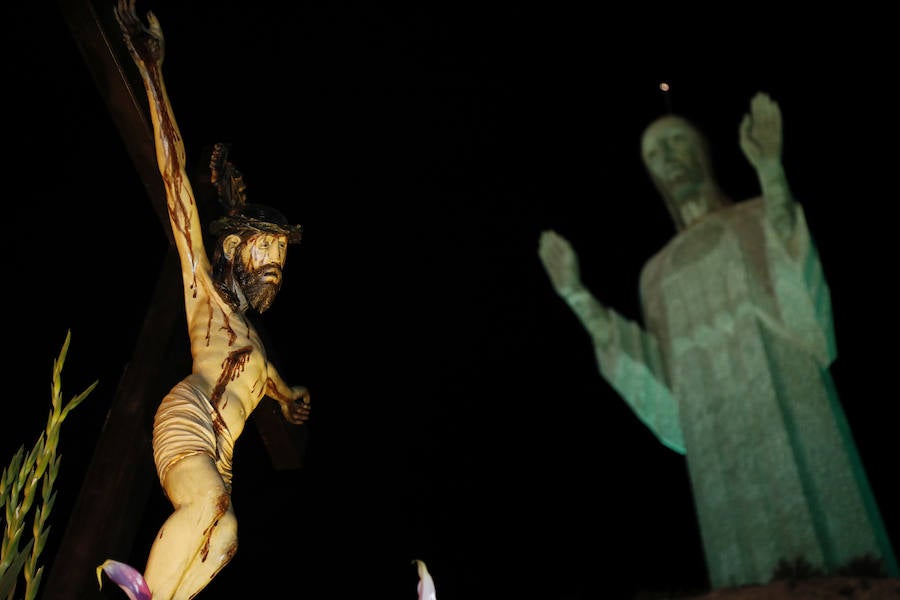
627 356
294 401
146 46
761 140
561 263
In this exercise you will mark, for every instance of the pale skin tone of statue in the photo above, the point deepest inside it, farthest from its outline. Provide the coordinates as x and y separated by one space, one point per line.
230 366
675 157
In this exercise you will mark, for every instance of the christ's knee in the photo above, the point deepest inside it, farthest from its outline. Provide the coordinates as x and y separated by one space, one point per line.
224 539
219 547
221 534
223 544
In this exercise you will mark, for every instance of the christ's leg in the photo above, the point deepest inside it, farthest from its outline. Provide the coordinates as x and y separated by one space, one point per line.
219 551
198 538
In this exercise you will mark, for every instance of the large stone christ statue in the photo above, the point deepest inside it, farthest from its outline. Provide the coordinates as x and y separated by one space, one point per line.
731 366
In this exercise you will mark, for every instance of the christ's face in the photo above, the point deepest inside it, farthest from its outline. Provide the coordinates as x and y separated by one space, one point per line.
671 151
258 268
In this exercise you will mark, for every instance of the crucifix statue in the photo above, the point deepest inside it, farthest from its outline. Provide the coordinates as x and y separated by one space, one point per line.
200 419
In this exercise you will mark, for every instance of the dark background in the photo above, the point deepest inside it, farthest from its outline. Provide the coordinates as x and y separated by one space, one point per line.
458 415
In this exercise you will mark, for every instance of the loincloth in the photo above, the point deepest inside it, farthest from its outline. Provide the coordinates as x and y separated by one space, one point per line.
183 427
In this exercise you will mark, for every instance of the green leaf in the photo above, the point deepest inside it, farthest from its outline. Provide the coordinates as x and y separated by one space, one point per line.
33 585
9 577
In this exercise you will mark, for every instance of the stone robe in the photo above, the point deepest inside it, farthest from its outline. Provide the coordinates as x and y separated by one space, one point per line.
731 369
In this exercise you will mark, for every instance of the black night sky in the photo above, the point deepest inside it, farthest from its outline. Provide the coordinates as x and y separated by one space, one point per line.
458 416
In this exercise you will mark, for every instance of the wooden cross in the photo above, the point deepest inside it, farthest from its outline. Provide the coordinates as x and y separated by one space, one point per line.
104 520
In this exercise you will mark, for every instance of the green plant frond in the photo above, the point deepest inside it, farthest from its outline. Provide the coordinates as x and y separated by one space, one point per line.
10 575
58 363
41 535
21 478
54 470
10 472
33 584
17 475
12 512
74 402
49 497
51 440
5 485
13 537
65 346
27 501
31 469
6 562
5 565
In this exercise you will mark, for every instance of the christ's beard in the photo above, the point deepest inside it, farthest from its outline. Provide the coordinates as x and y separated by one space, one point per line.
259 292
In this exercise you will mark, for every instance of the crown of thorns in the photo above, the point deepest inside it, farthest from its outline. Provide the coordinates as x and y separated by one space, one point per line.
261 219
241 216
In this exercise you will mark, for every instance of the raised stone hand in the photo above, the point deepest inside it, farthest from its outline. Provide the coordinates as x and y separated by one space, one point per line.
561 263
761 142
760 134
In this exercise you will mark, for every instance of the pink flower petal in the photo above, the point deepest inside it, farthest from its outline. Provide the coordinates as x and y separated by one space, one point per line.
425 588
126 577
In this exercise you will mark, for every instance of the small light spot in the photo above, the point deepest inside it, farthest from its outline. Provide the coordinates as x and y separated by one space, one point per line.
664 86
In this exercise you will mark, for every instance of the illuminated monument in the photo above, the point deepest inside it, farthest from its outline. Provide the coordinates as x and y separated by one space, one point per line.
731 367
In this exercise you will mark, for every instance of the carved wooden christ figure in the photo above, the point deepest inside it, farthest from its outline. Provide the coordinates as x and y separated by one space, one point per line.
198 422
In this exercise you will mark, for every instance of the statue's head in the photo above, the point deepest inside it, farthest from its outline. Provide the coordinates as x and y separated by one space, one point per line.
677 157
250 253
